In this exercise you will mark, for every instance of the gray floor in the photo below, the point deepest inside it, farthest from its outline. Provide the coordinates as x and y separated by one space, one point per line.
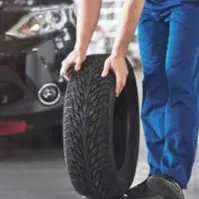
33 172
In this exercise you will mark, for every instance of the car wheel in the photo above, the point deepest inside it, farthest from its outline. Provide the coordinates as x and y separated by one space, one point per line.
100 132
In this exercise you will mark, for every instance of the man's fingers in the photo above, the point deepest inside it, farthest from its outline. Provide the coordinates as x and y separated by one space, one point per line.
106 69
65 66
123 84
78 66
120 84
65 71
68 75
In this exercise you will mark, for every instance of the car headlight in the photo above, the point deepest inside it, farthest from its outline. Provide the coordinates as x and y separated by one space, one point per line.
40 21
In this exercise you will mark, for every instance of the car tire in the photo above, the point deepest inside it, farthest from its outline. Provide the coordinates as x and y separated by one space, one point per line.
100 132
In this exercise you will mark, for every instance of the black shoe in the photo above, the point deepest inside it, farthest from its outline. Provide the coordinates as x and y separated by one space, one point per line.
141 191
166 187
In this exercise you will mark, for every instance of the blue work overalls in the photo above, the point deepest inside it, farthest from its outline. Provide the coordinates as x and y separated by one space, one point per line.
168 33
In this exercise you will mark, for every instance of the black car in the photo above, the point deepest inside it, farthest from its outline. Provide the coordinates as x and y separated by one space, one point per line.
35 36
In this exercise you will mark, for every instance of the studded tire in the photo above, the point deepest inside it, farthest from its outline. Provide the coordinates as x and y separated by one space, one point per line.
100 132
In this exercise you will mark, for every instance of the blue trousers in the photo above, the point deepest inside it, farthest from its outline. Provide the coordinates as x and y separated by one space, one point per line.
169 47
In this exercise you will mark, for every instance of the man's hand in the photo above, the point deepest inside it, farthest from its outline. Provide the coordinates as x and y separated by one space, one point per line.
118 65
73 60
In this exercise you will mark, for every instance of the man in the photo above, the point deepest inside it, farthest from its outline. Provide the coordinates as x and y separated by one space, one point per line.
169 41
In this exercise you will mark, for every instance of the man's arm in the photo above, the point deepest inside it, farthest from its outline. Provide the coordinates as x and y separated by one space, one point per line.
130 15
88 12
116 62
87 18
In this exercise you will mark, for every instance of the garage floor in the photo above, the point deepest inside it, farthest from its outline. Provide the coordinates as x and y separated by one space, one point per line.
36 171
